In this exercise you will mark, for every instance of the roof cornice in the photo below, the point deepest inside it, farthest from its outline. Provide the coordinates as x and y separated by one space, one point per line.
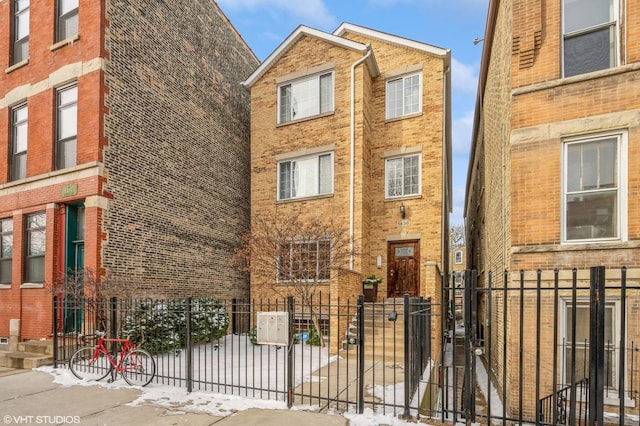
296 35
390 38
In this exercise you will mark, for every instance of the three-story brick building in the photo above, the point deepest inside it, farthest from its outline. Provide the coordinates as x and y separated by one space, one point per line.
124 151
355 126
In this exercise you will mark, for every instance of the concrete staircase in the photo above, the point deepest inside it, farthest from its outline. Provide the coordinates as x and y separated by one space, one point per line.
383 338
24 355
28 355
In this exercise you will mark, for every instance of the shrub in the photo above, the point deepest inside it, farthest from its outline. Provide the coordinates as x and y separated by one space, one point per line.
161 326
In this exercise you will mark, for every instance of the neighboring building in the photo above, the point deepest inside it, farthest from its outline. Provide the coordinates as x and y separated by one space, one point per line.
355 126
458 264
124 151
553 177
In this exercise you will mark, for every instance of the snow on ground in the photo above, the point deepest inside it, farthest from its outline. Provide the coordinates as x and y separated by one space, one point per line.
247 363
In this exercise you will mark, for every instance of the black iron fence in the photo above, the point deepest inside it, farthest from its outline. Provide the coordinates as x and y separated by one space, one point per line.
341 356
545 347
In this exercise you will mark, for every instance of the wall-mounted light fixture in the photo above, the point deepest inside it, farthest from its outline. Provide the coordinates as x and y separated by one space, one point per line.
477 40
403 212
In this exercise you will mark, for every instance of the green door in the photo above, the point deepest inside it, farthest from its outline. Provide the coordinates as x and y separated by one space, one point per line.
74 267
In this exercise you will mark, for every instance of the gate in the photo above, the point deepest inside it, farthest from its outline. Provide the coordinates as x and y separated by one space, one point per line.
552 347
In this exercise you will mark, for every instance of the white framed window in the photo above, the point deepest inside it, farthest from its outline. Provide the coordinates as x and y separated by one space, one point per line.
67 126
67 19
404 95
20 42
403 176
578 356
593 188
35 247
458 257
305 176
308 261
305 97
19 118
590 34
6 250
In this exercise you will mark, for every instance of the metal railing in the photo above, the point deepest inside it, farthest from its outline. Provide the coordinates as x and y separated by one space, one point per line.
210 345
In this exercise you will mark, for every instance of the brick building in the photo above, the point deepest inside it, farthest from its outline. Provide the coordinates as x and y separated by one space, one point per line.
124 150
553 176
355 126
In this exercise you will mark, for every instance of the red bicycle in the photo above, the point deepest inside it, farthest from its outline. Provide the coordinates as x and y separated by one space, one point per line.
137 366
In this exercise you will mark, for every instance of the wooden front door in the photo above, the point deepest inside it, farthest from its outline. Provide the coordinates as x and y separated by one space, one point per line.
403 272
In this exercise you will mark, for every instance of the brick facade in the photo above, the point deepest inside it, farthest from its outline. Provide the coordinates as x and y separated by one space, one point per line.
525 114
376 218
162 161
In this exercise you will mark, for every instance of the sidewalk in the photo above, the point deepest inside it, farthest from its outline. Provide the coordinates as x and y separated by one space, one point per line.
32 397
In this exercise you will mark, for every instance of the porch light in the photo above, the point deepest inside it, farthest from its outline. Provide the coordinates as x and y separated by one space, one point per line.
403 212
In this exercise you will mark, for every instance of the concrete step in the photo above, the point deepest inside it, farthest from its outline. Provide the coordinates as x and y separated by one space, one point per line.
43 347
24 360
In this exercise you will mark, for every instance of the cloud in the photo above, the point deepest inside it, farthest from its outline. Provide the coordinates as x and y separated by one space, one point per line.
461 129
464 78
311 12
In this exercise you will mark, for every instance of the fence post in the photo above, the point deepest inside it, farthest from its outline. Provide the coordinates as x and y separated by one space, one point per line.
360 319
189 344
469 347
55 332
290 371
408 367
596 347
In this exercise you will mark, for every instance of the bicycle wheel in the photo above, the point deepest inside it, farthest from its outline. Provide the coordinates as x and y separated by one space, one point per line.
85 366
138 367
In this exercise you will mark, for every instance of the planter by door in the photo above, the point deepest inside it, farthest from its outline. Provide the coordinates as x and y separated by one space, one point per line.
370 292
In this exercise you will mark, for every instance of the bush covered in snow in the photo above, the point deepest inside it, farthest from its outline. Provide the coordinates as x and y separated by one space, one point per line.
161 325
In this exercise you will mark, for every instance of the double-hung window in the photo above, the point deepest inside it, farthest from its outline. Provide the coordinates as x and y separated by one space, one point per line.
305 262
575 359
593 208
6 250
404 95
305 97
402 176
67 19
20 48
590 34
19 116
67 126
305 177
35 247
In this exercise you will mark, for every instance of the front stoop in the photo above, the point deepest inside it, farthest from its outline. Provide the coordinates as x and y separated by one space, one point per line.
30 354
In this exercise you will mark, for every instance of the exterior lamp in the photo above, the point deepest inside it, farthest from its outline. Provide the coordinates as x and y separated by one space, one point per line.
403 212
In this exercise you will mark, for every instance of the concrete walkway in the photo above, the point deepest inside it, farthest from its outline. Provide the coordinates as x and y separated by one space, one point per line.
31 397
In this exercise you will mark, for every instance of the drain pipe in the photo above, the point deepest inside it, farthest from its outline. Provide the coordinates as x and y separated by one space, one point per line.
353 155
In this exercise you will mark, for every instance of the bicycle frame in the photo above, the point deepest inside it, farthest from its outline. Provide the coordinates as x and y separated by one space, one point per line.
127 347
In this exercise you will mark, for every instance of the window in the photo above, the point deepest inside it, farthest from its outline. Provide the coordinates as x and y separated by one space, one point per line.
305 177
402 176
592 189
305 262
20 31
67 25
578 356
404 96
305 97
19 117
458 257
6 250
35 248
590 34
67 123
